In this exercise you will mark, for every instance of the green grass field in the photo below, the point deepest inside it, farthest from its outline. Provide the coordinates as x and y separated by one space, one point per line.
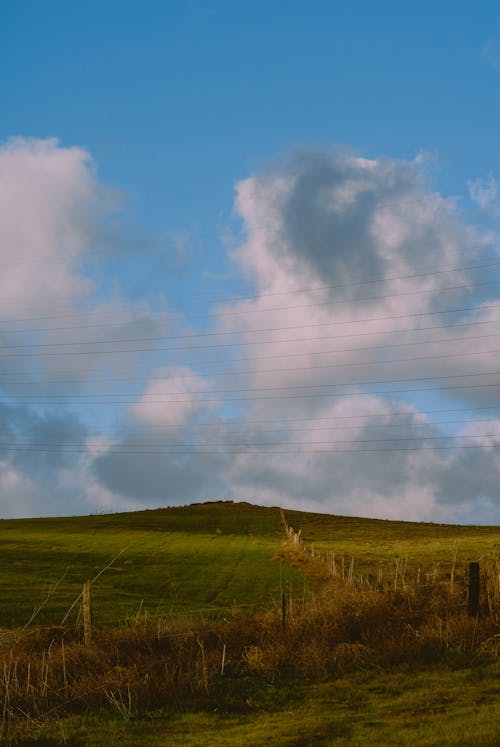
198 560
375 542
431 707
223 559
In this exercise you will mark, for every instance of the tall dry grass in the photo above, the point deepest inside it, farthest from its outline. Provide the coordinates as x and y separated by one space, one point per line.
346 623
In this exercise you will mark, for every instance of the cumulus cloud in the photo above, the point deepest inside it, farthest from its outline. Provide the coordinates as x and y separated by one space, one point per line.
49 203
348 380
172 397
62 327
343 325
360 233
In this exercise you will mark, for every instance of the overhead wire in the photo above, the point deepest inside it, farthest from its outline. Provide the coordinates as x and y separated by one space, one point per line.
226 425
282 387
254 342
232 313
308 353
162 448
286 422
286 328
335 286
250 372
219 401
266 449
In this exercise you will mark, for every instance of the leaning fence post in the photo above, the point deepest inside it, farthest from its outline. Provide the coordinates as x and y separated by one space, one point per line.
87 614
283 611
473 590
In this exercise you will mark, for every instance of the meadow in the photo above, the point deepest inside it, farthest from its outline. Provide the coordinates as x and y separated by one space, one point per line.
212 626
202 559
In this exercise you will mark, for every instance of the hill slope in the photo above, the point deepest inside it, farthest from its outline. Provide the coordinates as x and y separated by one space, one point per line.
199 559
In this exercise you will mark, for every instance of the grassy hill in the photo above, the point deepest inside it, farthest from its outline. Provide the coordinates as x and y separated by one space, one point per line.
190 646
375 545
201 559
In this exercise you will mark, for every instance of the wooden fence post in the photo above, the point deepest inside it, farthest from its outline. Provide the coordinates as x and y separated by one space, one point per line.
87 614
283 611
473 590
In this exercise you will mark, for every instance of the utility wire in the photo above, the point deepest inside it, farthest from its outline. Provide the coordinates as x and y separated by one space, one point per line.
161 449
281 388
250 372
227 452
177 317
291 340
312 289
338 417
204 335
219 401
302 354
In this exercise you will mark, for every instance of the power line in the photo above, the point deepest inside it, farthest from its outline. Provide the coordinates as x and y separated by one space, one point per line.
302 354
363 426
249 372
225 425
342 384
265 444
336 418
356 283
204 335
175 317
246 343
219 401
265 447
369 281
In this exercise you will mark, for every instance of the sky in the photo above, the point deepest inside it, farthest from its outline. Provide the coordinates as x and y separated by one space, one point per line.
250 250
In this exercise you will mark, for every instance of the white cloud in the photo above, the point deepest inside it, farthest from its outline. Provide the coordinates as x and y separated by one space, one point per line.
171 397
54 215
49 200
327 221
316 224
309 432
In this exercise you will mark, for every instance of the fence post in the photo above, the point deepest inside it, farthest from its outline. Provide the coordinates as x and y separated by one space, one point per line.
283 611
87 614
473 590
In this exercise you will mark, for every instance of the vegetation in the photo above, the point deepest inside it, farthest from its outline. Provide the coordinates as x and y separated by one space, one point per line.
336 652
200 559
437 707
377 545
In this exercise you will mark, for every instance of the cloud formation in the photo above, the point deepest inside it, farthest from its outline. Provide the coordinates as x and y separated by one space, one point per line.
358 376
337 222
60 325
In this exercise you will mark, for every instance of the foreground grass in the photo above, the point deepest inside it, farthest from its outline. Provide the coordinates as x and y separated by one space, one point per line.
252 664
407 706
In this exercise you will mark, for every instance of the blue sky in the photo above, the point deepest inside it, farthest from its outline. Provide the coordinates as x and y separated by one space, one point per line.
177 101
193 114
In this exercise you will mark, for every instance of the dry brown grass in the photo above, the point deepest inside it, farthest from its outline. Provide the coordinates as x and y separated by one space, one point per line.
341 627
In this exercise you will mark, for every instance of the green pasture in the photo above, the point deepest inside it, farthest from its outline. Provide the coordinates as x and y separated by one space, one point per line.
201 559
432 707
374 543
